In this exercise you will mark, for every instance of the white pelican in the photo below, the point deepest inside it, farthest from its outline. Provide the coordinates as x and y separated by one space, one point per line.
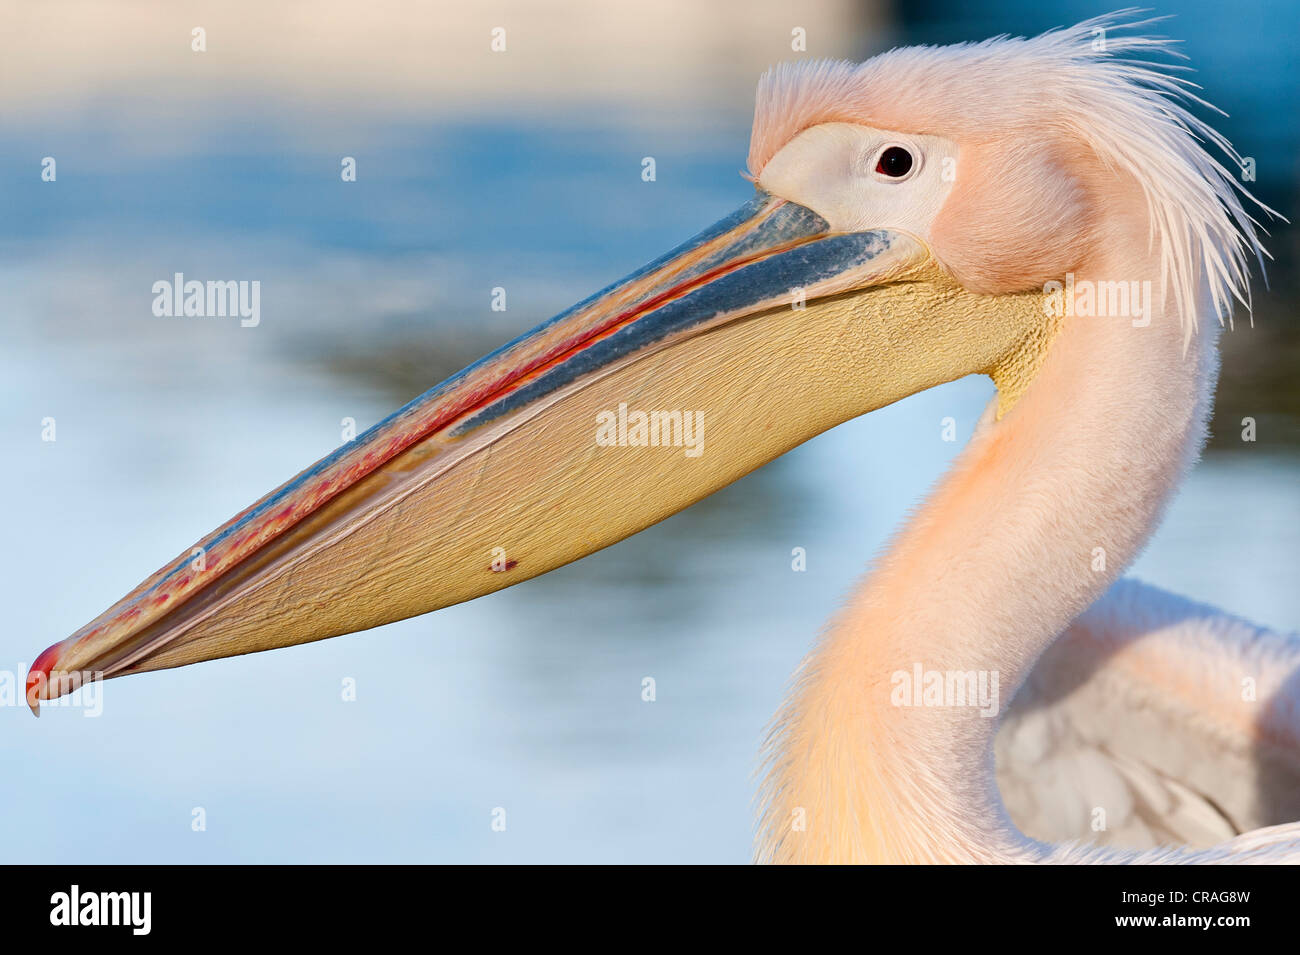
930 214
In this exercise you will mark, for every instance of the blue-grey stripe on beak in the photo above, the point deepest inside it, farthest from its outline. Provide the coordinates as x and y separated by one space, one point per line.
786 249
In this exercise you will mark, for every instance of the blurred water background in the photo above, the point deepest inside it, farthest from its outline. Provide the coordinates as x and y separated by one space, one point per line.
475 170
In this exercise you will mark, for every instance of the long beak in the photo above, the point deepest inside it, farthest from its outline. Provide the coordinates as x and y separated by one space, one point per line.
759 333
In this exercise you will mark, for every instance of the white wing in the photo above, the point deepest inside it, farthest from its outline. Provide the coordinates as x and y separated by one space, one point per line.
1154 721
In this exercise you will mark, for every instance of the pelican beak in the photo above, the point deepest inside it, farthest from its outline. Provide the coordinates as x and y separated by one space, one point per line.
761 332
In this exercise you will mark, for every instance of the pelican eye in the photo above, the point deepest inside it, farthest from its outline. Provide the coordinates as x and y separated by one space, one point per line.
895 162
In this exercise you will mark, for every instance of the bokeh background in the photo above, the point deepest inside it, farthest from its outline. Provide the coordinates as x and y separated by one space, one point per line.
476 169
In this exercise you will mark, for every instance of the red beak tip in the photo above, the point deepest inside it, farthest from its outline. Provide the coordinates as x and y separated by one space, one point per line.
38 676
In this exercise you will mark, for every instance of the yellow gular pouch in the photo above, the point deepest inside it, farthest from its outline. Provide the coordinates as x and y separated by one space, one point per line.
955 332
1014 371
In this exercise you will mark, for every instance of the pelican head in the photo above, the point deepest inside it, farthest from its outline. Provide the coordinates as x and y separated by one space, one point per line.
908 212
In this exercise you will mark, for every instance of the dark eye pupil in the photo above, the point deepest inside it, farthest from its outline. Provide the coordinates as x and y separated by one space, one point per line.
894 161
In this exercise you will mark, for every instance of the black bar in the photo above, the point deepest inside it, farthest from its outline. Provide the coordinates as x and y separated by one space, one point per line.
928 904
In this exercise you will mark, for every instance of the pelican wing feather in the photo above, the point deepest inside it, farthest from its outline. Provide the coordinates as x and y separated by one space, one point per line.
1152 721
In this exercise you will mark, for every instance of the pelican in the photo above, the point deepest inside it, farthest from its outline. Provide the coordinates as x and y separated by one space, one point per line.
929 214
